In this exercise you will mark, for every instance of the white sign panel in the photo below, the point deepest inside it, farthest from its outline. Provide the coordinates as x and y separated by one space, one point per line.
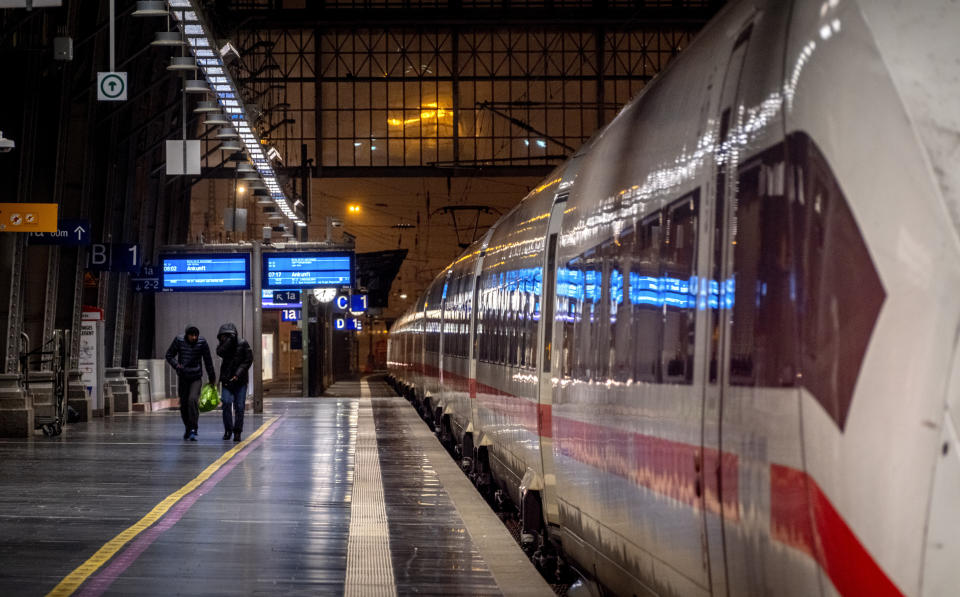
91 334
176 155
111 87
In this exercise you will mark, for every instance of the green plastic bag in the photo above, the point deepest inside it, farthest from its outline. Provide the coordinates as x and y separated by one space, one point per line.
209 398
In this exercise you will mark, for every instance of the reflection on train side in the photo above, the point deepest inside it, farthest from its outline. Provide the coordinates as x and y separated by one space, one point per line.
641 290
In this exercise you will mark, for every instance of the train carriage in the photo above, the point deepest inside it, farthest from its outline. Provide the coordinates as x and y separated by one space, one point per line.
718 348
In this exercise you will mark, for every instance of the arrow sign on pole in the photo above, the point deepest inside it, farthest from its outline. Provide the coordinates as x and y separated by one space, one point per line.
112 87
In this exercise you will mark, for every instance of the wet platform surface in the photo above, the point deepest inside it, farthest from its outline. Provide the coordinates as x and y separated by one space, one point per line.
340 495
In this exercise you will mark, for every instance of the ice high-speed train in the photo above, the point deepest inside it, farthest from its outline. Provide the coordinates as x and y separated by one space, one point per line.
716 351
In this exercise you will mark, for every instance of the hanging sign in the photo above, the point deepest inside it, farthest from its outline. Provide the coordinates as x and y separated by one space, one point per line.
111 87
28 217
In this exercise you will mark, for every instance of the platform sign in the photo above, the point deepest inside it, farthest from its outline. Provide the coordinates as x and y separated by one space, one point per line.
267 301
148 280
28 217
113 257
204 272
355 303
290 315
307 270
69 233
286 296
111 86
347 324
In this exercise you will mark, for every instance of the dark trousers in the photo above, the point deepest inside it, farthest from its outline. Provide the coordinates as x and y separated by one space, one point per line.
189 392
233 403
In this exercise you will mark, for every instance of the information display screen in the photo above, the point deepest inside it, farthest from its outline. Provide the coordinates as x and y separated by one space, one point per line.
307 270
205 272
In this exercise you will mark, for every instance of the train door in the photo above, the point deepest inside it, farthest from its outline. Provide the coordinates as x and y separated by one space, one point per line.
752 425
473 318
442 391
551 512
711 469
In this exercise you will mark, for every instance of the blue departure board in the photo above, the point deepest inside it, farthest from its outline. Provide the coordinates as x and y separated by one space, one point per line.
207 272
307 270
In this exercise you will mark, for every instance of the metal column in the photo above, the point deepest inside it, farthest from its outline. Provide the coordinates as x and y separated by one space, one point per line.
256 265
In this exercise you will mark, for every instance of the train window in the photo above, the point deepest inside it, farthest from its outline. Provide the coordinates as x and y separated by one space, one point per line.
601 325
466 302
484 332
678 292
623 346
840 292
569 311
762 334
587 354
643 290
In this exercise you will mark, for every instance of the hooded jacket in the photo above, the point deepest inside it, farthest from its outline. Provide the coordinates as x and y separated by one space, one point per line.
237 357
186 358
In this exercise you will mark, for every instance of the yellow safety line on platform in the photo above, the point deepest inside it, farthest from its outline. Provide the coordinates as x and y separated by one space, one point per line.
76 578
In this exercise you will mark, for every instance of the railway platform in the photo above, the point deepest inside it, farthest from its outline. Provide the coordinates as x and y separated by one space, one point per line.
345 494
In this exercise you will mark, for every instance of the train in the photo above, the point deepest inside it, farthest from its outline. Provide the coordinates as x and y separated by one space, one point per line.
715 352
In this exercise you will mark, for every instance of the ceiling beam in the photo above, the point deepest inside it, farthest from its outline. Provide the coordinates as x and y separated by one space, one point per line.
399 171
692 18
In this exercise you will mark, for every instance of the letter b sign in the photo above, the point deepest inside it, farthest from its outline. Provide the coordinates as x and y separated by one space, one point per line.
99 257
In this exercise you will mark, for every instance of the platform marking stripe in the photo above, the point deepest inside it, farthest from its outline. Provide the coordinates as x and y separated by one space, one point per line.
97 584
72 581
369 565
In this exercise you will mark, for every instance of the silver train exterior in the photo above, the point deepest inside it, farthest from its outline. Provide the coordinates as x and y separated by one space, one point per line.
749 378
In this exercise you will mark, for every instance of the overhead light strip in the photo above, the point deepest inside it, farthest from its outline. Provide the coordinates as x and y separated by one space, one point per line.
186 13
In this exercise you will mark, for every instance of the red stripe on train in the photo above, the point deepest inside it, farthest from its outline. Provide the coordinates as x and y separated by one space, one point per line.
802 517
665 467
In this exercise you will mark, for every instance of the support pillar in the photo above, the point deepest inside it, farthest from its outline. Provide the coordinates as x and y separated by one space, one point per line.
256 343
77 397
16 413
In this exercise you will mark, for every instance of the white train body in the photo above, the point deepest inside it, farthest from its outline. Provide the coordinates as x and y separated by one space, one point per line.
748 380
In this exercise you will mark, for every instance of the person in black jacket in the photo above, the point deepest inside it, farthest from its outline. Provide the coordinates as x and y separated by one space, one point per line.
237 359
185 355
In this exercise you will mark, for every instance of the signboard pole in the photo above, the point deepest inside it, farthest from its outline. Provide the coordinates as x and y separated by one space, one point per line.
256 265
304 325
112 17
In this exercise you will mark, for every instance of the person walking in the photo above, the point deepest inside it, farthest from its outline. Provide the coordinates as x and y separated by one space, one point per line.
237 359
185 355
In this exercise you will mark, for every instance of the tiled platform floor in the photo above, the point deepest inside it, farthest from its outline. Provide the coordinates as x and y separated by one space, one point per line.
273 517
